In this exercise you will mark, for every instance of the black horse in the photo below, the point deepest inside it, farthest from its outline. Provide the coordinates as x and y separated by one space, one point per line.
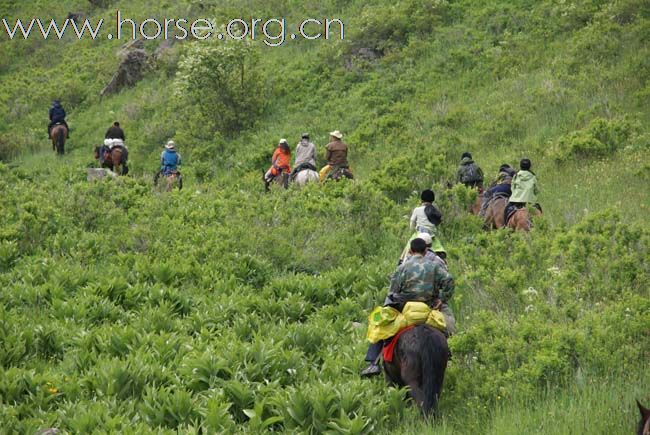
644 423
419 362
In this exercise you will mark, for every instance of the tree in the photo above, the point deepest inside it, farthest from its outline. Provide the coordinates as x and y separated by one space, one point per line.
219 87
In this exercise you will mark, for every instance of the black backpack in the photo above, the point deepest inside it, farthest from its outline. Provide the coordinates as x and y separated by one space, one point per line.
471 174
433 214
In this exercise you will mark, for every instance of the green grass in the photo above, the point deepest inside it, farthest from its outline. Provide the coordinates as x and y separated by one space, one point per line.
221 307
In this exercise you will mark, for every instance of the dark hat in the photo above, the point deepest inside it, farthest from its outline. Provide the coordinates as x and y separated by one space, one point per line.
428 196
525 164
466 154
504 167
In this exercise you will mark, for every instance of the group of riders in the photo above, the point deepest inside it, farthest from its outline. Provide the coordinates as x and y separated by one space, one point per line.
422 273
336 155
518 189
115 138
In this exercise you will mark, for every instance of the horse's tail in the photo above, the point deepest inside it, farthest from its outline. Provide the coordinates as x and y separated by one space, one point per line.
433 362
60 139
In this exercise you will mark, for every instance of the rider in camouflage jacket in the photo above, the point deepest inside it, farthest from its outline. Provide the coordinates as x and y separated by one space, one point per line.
420 279
417 279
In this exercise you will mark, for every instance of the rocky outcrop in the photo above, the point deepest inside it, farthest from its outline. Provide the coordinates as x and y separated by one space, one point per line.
134 63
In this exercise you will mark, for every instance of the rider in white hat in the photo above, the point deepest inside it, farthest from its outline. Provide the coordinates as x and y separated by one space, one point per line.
169 159
336 154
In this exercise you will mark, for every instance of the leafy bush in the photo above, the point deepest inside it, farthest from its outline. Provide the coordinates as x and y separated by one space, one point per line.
599 139
219 84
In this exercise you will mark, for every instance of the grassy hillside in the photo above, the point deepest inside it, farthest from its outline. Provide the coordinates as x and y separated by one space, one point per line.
224 309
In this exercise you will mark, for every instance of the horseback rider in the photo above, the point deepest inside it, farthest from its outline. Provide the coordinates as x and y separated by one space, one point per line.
430 254
425 219
418 279
115 132
57 116
305 155
500 187
336 155
170 159
115 137
280 162
469 173
524 189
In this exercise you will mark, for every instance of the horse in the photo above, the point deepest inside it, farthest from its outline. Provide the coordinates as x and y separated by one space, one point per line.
644 423
340 172
520 219
112 158
419 362
305 176
495 213
58 134
173 178
282 179
475 208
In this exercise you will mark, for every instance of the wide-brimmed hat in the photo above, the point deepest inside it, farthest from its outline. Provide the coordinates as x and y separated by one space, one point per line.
337 134
170 145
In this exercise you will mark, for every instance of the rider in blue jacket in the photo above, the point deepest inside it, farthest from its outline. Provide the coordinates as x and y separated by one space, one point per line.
169 159
57 115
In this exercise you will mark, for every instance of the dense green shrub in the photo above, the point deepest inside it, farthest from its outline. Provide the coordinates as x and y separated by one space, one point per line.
219 84
599 139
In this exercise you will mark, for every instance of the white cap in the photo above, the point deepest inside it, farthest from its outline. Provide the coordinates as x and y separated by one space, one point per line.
426 237
170 145
284 141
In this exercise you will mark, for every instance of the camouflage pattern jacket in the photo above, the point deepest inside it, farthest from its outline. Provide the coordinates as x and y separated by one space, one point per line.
420 279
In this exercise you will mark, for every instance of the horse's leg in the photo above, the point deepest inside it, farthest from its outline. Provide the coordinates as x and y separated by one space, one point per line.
498 211
410 372
62 141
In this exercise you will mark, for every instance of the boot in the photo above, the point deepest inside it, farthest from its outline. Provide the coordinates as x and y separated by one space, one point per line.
373 369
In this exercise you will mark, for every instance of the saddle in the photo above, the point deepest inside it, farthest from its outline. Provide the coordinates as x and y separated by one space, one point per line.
303 166
510 210
339 172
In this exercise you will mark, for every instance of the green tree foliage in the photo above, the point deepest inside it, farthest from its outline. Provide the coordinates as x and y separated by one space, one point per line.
220 87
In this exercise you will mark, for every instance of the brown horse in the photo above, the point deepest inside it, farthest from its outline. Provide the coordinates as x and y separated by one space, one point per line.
58 134
172 179
475 207
113 159
644 423
419 362
117 160
495 213
520 219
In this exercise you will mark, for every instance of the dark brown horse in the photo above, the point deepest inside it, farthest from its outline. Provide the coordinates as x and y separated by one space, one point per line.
113 159
281 179
644 423
419 362
58 134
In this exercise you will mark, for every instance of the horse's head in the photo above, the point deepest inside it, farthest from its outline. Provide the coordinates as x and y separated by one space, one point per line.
644 423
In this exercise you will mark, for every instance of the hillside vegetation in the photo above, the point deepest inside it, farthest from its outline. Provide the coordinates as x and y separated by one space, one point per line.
221 309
